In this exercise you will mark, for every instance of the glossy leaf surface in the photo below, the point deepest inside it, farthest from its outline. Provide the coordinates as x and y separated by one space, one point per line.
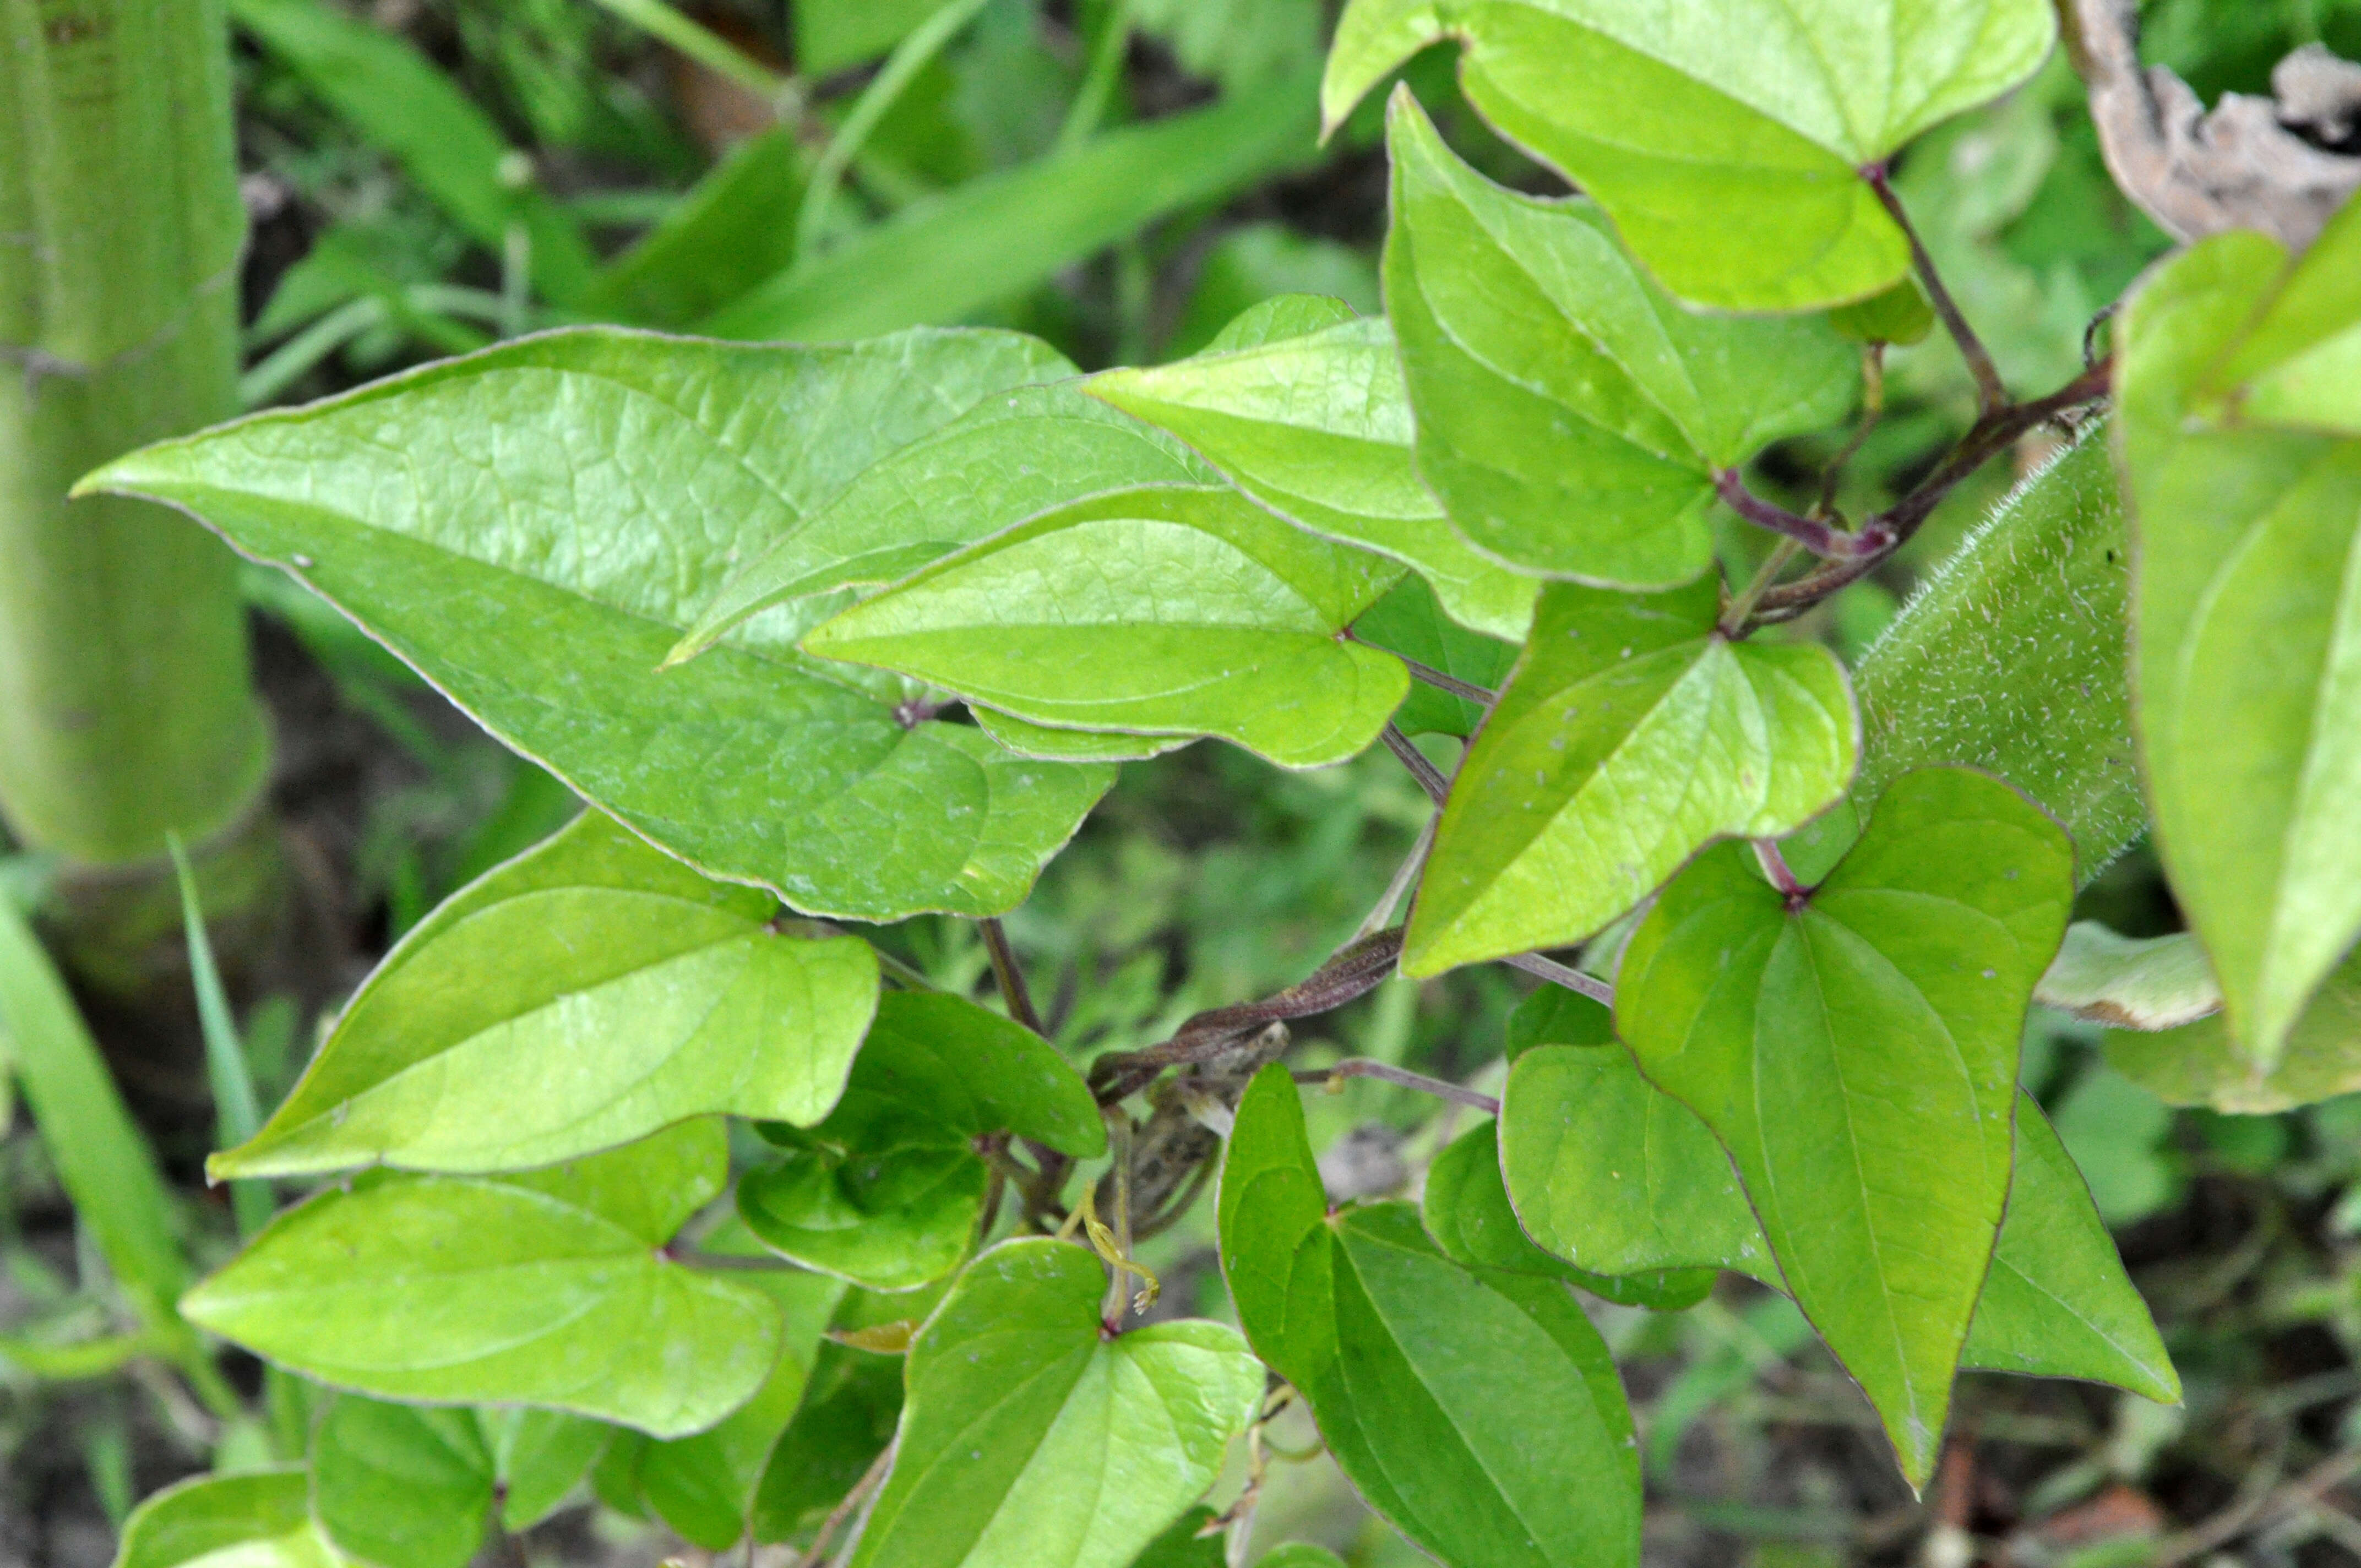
1171 610
1317 427
1631 734
1030 1436
1726 141
1571 415
1857 1054
583 996
2247 604
1014 454
534 527
261 1519
546 1290
1476 1410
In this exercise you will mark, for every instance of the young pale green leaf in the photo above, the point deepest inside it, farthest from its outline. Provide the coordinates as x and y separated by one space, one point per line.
259 1519
532 526
1729 145
1465 1208
406 107
2199 1064
583 996
1855 1049
850 1405
1074 745
1033 1435
887 1190
550 1289
1601 1164
2155 983
1632 733
1476 1410
2010 658
2247 609
1316 426
1016 453
400 1486
1168 609
2058 1302
2299 364
946 258
1409 621
1571 416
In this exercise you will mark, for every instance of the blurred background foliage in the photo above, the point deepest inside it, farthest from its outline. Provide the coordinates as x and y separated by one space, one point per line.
1121 177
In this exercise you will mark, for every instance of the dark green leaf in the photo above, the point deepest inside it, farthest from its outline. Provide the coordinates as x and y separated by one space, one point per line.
1552 1015
1171 610
534 526
1728 147
1316 426
1571 415
1856 1053
2248 605
400 1487
1032 1434
1410 622
538 1456
1466 1210
1477 1410
1181 1547
408 1287
1632 734
850 1406
583 996
736 228
1252 264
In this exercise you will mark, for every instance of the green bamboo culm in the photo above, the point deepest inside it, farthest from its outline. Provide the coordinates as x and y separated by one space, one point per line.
126 703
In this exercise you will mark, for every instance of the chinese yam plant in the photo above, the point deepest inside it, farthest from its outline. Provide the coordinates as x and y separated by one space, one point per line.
636 1154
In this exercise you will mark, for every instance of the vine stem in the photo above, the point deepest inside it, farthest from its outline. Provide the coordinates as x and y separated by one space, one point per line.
1775 866
1362 1067
1566 975
869 1482
1013 989
1734 617
1815 534
1990 396
1429 778
1440 680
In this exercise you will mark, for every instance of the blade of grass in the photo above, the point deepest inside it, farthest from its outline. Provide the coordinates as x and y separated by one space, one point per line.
902 67
237 1115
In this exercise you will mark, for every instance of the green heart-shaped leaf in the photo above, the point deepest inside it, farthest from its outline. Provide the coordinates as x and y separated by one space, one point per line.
1410 622
400 1486
2248 606
1171 610
1632 733
1730 145
1317 427
1476 1410
1855 1047
1031 1434
547 1289
1602 1165
534 527
1572 417
583 996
